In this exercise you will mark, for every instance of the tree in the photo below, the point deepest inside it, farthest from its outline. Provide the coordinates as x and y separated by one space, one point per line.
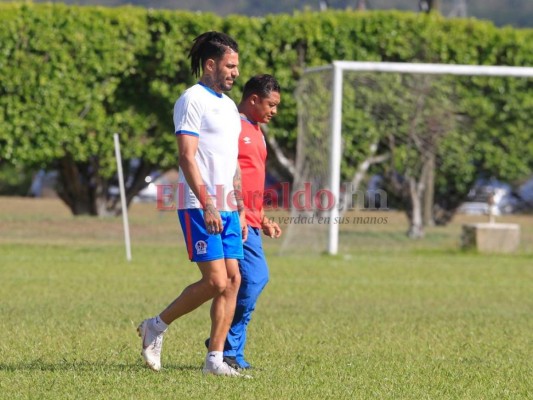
413 114
62 100
86 76
429 5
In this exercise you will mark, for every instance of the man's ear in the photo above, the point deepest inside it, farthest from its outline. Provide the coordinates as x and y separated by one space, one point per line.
210 64
254 99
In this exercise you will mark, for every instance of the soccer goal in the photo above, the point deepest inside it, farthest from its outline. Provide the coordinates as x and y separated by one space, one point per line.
347 111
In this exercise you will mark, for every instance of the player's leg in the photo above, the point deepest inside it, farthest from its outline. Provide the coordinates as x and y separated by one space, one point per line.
207 251
222 311
223 306
254 277
212 283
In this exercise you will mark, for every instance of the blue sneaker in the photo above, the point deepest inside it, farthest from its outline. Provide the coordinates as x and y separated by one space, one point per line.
242 363
235 363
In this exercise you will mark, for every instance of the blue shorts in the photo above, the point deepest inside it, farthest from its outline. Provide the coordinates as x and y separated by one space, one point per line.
202 246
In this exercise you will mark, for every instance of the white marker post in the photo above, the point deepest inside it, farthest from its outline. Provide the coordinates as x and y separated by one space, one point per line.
122 197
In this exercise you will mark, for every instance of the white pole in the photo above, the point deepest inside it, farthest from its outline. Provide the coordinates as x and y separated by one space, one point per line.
335 158
441 69
123 198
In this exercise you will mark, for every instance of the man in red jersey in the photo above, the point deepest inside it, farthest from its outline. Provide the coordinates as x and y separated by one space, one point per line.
260 99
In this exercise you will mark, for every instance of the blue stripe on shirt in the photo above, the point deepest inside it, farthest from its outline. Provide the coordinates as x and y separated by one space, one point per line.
184 132
219 95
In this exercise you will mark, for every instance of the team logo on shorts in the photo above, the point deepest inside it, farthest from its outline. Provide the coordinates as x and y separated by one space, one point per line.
201 247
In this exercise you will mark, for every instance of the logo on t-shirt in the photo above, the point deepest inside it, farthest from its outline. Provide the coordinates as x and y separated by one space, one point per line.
201 247
247 140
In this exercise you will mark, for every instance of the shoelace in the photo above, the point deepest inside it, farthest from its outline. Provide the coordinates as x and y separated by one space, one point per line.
156 346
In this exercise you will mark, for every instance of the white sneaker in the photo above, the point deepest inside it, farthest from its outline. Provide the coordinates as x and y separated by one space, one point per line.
152 343
222 369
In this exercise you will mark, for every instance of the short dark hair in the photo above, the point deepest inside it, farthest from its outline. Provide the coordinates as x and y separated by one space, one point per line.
261 85
210 45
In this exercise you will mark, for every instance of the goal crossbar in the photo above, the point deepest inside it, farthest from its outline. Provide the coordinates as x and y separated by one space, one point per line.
421 68
338 68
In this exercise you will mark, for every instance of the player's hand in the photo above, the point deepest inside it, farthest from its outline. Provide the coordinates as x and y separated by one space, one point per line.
270 228
212 219
244 226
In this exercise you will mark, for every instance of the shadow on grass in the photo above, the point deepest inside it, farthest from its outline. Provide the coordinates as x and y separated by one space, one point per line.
86 366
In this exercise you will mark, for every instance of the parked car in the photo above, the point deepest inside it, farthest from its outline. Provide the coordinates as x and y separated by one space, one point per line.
503 198
43 184
525 192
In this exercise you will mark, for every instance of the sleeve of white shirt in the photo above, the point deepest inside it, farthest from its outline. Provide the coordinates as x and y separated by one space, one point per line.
187 116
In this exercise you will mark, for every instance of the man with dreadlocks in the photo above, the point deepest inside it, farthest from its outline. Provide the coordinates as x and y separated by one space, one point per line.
207 127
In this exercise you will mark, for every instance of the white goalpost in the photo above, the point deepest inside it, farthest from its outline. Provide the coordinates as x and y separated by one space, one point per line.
332 77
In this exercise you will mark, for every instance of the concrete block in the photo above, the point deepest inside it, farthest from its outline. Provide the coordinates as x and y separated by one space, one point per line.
491 237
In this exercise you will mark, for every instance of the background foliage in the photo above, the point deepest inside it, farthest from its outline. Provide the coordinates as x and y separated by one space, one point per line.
71 76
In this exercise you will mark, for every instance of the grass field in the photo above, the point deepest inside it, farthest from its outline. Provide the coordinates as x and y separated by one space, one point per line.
389 319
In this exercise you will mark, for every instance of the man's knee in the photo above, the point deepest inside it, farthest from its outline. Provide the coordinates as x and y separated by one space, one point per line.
217 284
249 292
234 281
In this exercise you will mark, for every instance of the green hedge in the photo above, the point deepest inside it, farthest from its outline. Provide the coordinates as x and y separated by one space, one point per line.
71 76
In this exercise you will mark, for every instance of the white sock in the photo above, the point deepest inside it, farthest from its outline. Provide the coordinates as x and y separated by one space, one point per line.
159 325
214 358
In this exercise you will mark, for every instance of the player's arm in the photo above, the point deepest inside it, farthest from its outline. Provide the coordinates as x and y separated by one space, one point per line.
187 148
270 227
239 201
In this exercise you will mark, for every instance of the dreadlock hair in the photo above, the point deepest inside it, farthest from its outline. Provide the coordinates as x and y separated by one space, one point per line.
261 85
210 45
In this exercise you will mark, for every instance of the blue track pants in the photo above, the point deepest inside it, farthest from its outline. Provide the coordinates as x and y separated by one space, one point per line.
254 277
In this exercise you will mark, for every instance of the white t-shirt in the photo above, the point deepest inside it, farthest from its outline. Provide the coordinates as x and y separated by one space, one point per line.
214 119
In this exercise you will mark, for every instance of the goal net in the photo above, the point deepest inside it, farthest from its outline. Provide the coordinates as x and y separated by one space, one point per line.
351 115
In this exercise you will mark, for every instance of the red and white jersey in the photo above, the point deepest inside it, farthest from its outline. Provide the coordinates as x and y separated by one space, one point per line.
214 119
252 159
